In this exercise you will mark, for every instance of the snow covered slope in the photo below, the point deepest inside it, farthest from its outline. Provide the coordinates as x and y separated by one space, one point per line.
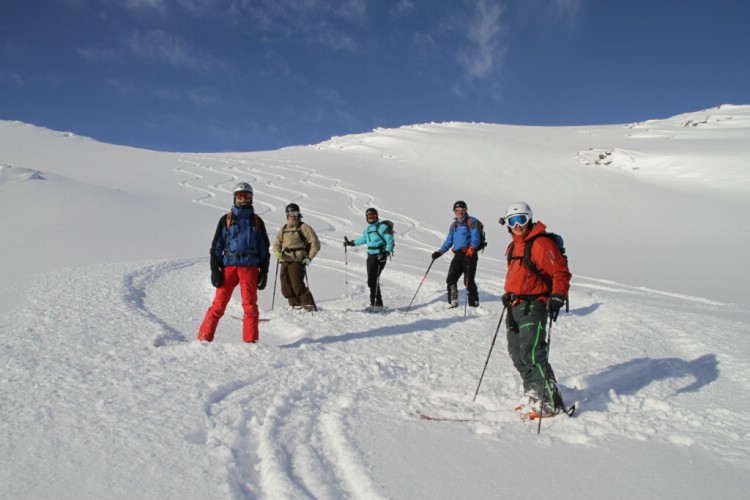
104 278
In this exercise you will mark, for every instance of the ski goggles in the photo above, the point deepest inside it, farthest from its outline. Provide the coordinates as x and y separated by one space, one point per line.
292 213
517 220
372 217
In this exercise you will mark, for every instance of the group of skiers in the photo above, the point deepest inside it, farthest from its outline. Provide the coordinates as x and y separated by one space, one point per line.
536 283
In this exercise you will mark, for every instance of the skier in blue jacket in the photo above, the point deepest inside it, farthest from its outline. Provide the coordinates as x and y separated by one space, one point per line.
379 243
239 256
464 236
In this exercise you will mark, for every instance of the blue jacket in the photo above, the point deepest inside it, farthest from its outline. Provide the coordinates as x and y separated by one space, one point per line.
462 235
375 238
243 242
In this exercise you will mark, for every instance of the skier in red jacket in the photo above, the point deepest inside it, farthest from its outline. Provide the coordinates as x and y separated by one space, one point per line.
530 299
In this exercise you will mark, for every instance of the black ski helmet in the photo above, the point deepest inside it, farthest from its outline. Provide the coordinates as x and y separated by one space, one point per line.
292 207
460 204
371 211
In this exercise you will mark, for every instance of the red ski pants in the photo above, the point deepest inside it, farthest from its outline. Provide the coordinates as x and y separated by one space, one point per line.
247 278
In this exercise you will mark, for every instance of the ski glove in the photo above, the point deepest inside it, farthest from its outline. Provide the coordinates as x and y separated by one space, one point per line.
383 256
348 243
306 262
470 252
262 279
508 299
436 254
217 277
279 255
554 303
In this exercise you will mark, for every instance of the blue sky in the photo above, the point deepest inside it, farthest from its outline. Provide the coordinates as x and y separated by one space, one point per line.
249 75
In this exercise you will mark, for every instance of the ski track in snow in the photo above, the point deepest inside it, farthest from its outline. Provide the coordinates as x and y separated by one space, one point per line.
276 419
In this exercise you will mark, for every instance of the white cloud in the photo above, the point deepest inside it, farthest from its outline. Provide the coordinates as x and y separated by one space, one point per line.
403 8
485 34
204 96
162 46
11 78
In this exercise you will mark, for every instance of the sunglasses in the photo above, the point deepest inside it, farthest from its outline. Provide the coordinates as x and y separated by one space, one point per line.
517 220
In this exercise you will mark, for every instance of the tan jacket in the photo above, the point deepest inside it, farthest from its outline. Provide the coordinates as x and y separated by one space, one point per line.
290 242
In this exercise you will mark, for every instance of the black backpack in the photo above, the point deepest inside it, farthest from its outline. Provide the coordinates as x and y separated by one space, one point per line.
530 265
480 226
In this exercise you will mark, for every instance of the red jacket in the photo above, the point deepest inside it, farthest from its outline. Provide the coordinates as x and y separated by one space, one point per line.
546 257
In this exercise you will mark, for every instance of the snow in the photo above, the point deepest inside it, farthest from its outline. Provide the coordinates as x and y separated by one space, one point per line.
104 279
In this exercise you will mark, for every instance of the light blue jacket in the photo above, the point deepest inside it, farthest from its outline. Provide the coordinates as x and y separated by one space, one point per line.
376 239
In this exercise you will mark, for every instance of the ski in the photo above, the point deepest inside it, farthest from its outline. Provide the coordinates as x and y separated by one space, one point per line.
434 418
241 318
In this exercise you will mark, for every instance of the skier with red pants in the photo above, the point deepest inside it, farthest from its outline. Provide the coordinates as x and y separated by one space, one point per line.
239 256
530 300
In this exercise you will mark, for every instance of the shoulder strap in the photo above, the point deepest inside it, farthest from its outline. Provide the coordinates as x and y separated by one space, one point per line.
302 236
529 264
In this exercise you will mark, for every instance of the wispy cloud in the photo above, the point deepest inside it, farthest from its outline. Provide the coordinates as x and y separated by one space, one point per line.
403 8
569 9
205 96
485 32
161 46
11 78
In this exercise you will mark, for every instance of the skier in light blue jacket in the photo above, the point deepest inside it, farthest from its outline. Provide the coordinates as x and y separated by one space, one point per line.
379 240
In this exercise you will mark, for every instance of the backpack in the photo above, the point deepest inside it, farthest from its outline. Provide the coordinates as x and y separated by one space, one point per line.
530 265
482 236
388 230
301 235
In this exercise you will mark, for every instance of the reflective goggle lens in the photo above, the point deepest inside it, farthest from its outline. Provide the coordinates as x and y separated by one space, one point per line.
518 220
292 213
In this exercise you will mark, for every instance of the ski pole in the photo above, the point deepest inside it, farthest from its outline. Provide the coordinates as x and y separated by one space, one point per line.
544 379
420 284
307 284
489 353
346 265
276 277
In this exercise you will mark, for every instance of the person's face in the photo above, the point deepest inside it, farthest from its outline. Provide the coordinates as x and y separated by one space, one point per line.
371 218
243 196
460 212
292 216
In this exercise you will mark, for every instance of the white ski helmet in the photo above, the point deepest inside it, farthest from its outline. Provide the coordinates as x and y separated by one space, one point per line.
518 208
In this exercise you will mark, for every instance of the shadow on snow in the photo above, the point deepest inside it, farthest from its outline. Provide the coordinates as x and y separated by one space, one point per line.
630 377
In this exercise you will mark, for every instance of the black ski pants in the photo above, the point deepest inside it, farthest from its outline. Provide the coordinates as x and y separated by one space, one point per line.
375 266
527 345
461 264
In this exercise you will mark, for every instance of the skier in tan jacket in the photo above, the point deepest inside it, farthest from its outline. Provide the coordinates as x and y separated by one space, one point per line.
296 245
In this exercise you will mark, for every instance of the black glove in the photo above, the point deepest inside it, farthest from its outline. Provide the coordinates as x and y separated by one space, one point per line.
554 303
262 279
383 256
347 242
508 298
217 277
436 254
